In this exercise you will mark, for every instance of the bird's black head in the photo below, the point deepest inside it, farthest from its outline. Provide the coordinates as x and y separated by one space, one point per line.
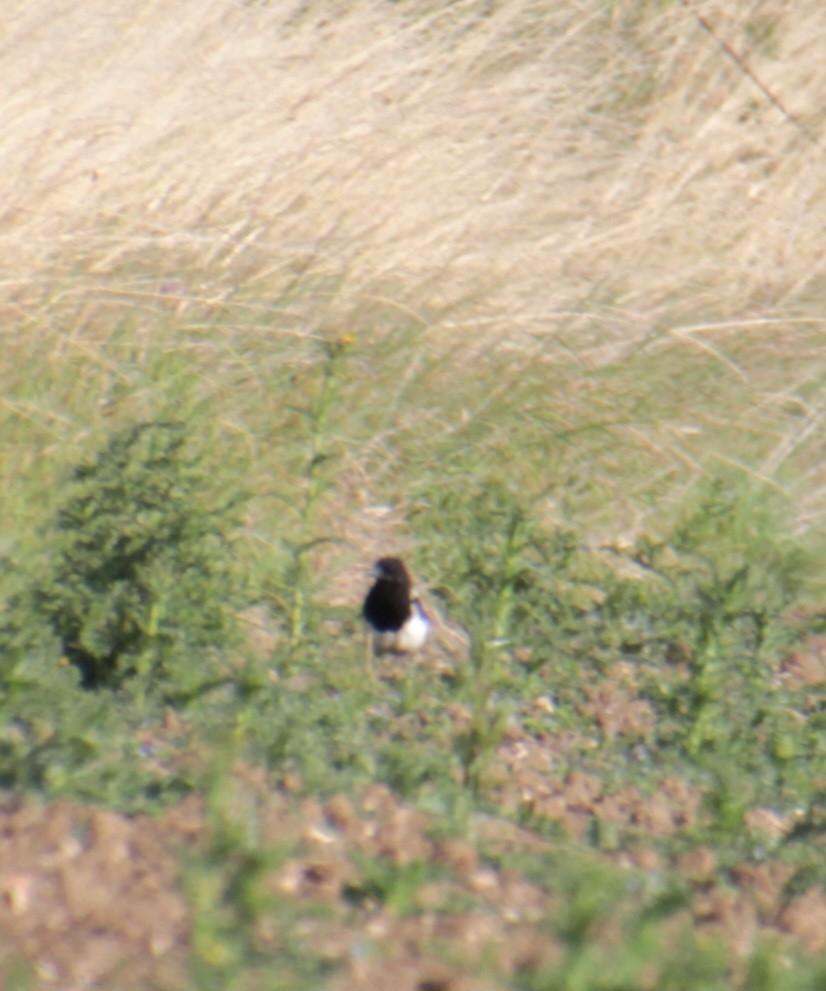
392 569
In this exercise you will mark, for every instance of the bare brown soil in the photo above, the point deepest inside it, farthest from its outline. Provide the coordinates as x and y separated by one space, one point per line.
93 898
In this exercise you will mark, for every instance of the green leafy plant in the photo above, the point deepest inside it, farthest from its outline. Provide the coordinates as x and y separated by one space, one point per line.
141 574
224 884
723 579
316 483
481 567
245 932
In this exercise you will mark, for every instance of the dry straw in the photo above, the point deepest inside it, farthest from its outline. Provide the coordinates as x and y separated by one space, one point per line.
534 157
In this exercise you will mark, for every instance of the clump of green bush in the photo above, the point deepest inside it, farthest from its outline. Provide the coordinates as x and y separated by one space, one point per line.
141 577
702 613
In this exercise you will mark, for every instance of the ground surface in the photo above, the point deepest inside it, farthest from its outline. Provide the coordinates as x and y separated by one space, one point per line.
94 898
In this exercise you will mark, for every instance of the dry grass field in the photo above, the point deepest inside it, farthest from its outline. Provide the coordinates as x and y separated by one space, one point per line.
382 256
536 159
563 180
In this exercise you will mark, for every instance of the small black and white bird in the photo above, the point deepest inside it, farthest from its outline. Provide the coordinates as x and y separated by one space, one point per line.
395 619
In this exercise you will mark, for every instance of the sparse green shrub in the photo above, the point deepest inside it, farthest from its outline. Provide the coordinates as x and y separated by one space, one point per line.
721 583
140 575
318 455
225 887
700 613
532 590
481 564
246 933
474 555
58 740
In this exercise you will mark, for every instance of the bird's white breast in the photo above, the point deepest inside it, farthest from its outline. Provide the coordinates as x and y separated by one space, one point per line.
412 635
407 640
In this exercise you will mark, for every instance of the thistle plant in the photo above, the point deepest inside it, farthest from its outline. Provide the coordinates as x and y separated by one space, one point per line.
484 563
141 571
319 453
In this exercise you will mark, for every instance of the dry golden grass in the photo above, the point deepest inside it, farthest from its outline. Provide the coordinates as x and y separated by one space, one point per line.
536 158
574 180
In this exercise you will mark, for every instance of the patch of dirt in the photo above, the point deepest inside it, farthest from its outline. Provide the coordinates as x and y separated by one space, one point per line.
91 898
806 667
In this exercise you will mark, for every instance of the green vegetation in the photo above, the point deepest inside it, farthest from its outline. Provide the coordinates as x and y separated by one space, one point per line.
128 610
530 294
318 479
141 575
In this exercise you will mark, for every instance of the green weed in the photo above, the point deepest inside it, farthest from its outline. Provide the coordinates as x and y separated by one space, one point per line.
315 482
480 570
226 887
140 578
722 583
